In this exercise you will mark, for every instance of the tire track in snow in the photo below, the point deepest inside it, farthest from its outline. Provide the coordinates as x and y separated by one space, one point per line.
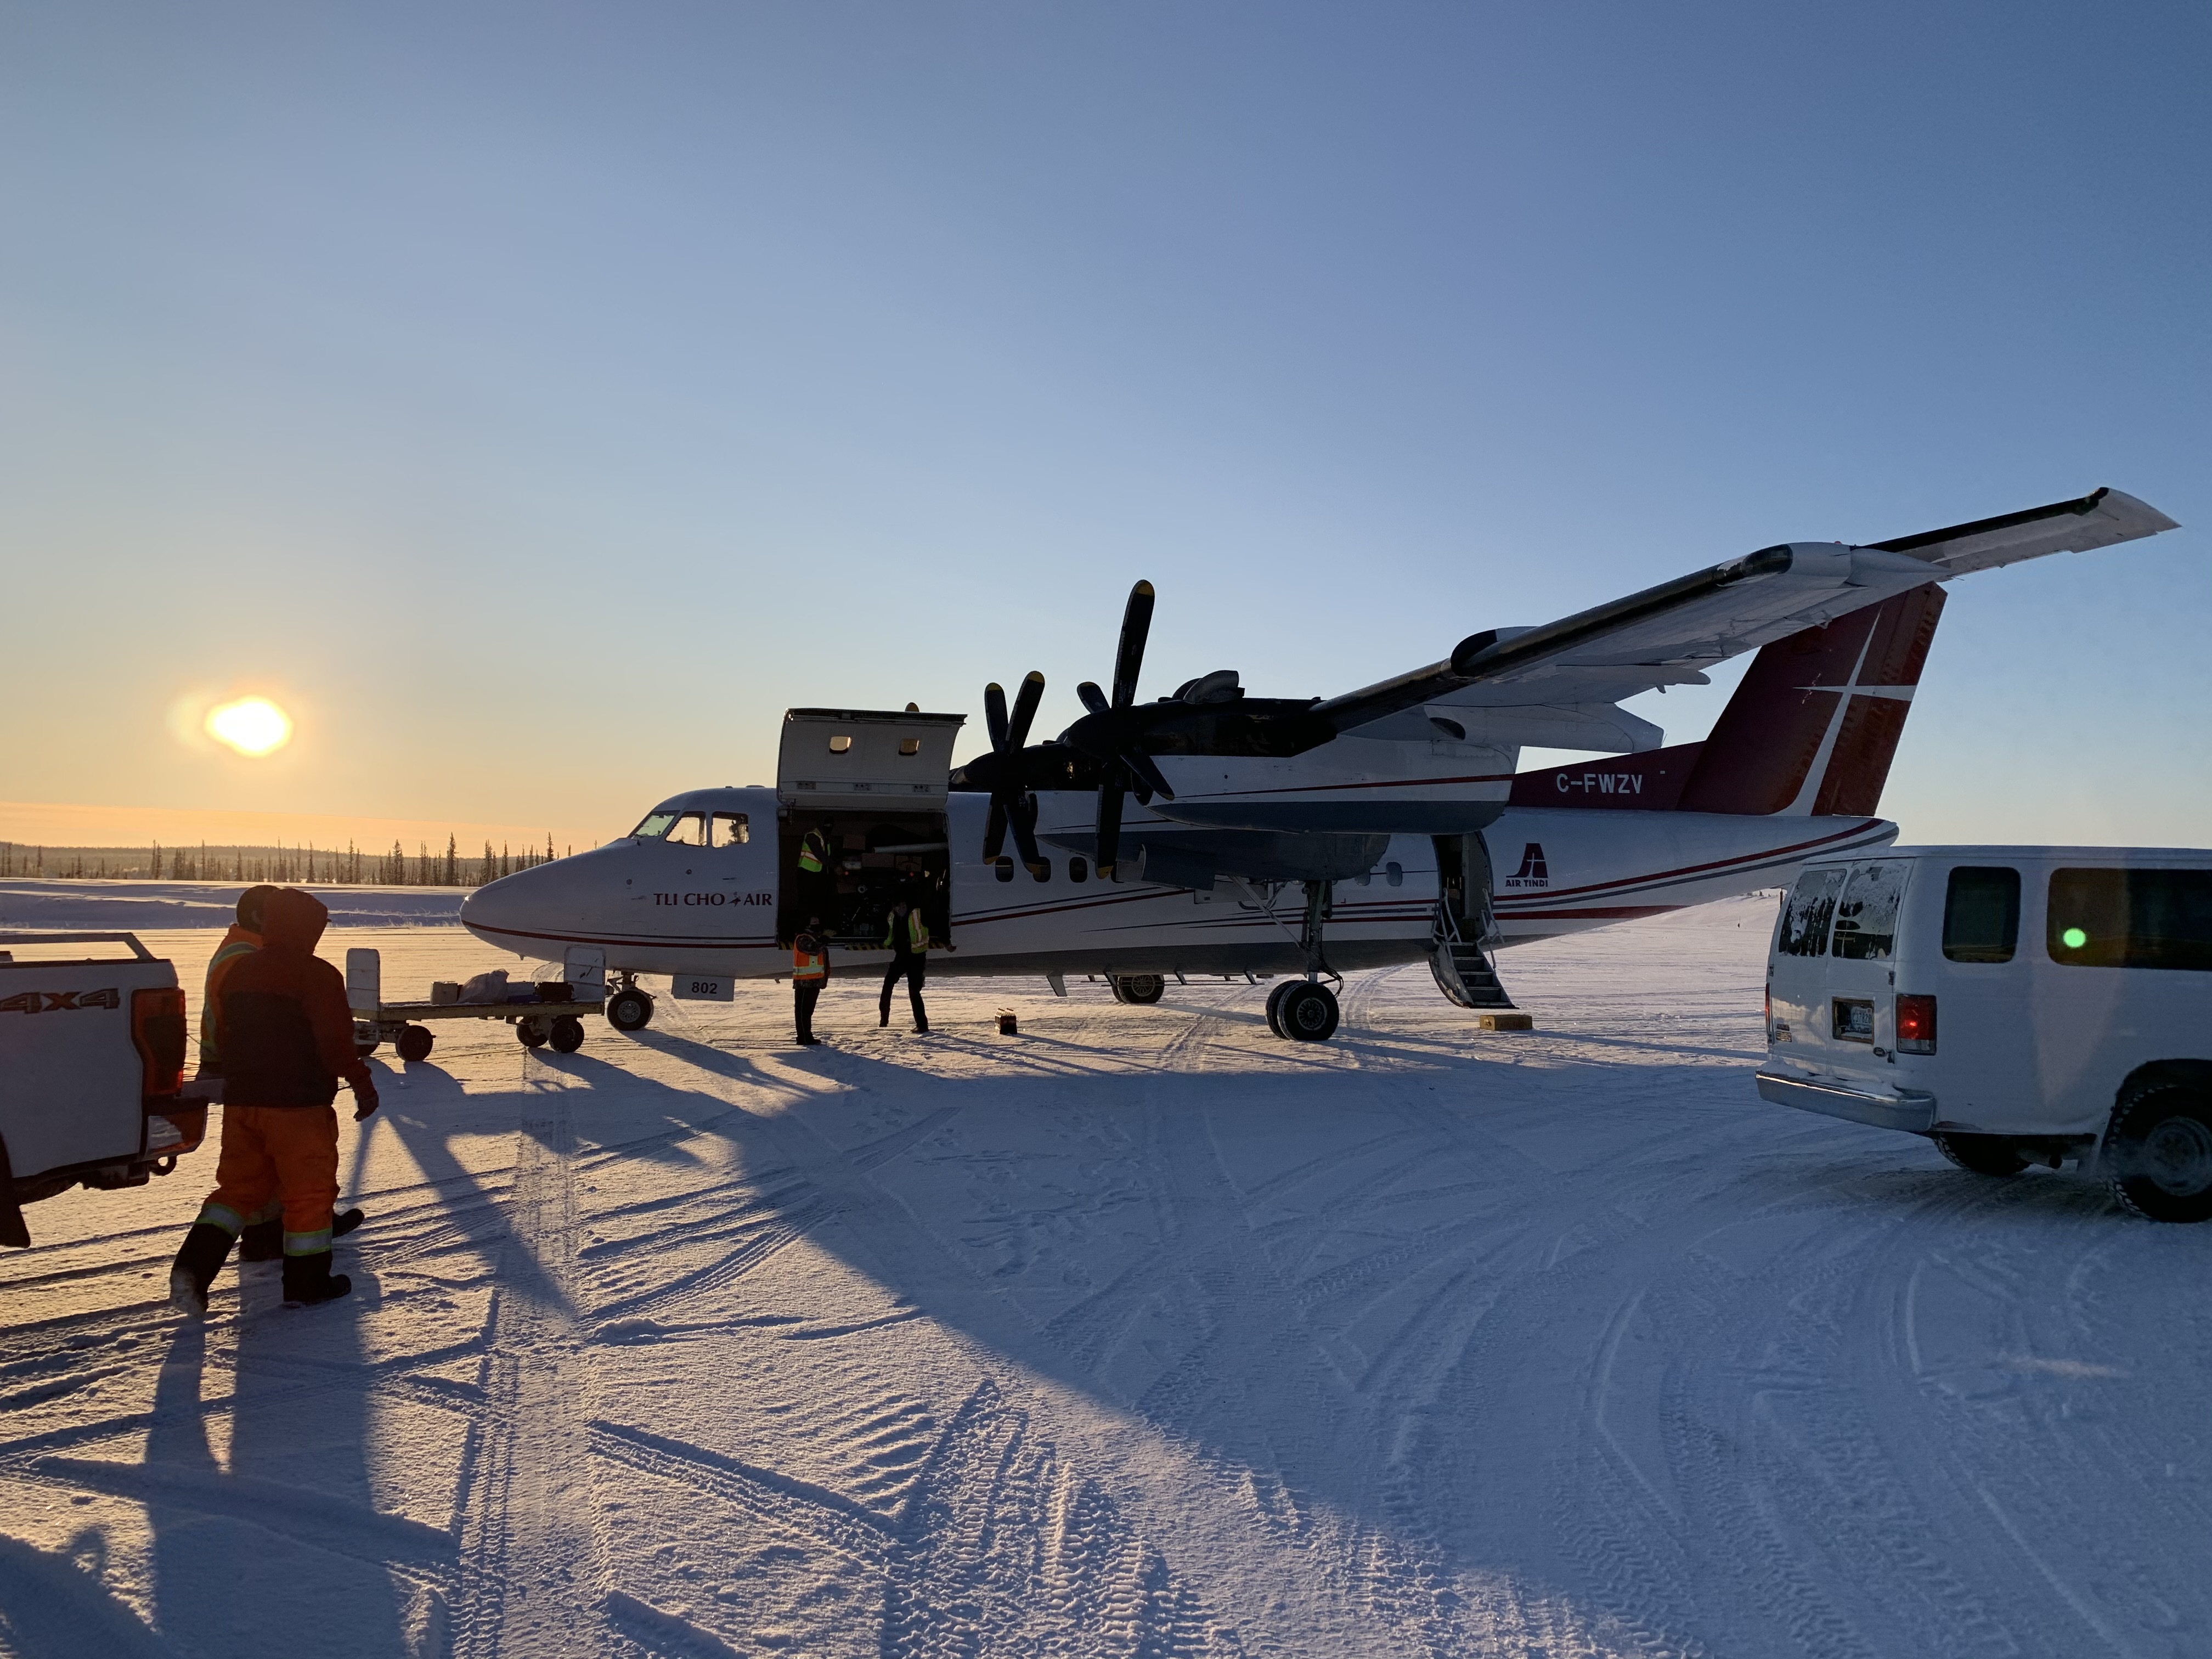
530 1519
997 1550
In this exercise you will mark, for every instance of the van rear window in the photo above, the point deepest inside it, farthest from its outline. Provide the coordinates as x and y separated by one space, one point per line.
1981 913
1805 919
1866 915
2132 919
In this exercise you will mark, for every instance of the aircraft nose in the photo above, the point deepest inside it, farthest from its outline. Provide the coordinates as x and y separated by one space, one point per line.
514 912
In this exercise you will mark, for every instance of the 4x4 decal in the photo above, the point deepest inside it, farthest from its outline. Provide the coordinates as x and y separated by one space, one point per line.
49 1002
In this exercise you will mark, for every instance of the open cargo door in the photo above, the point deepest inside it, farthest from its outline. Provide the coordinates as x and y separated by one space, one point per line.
862 793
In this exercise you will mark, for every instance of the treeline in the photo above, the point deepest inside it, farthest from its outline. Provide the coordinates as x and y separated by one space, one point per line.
279 865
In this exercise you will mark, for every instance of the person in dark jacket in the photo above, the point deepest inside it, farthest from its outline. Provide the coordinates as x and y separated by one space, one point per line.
287 1043
908 939
243 939
809 972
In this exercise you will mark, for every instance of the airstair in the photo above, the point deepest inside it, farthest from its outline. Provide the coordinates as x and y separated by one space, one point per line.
1462 972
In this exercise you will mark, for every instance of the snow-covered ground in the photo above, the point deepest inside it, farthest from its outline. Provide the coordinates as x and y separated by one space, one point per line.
1141 1333
139 905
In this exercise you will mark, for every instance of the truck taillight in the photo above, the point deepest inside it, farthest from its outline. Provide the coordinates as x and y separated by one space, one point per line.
1916 1025
157 1026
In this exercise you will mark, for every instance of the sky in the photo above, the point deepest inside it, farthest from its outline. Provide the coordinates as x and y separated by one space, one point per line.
537 400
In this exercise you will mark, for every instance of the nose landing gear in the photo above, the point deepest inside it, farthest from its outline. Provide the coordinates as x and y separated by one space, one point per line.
629 1009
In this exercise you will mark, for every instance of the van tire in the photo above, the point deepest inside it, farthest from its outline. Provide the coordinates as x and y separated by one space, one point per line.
2160 1152
1982 1155
1140 990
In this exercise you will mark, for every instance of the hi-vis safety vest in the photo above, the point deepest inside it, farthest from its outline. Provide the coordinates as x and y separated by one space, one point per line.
808 964
811 852
917 934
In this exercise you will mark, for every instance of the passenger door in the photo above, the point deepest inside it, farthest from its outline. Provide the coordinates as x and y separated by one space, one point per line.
1984 1071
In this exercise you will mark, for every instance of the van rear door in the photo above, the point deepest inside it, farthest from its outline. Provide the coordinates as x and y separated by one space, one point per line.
1830 975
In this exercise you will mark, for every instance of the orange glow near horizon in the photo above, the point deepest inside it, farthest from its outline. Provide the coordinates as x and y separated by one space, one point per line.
251 726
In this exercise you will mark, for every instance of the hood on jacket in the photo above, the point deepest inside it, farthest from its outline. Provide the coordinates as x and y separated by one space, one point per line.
252 907
293 920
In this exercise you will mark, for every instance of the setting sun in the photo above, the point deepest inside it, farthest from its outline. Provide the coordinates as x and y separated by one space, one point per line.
251 726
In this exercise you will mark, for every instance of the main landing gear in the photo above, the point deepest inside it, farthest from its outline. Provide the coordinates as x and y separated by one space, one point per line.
1305 1010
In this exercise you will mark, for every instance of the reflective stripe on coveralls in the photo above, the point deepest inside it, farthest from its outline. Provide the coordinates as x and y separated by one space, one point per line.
811 852
808 964
917 932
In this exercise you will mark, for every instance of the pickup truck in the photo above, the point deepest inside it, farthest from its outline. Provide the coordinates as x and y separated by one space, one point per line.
92 1064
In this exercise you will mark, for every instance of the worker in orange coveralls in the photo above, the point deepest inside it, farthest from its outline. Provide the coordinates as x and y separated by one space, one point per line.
262 1238
286 1037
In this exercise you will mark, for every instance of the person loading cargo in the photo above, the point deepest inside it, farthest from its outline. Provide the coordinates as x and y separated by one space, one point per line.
286 1040
262 1238
907 940
809 972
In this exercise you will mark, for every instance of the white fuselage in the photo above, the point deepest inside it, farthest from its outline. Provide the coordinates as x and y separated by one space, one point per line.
658 907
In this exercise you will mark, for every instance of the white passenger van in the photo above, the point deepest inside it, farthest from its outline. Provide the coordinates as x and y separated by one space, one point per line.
2016 1004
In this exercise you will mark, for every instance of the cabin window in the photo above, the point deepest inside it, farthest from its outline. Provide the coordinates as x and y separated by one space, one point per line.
690 830
1866 915
841 744
654 825
2132 919
1805 919
909 745
728 830
1981 915
1079 869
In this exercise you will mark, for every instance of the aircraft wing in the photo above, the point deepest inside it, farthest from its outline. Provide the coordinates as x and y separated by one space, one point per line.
1669 634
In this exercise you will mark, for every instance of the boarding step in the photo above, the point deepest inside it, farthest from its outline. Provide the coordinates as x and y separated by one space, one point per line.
1465 975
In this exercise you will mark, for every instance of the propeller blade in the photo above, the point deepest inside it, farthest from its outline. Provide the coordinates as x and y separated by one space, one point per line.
1150 781
1025 838
995 712
1109 828
1092 697
1129 658
1025 708
994 831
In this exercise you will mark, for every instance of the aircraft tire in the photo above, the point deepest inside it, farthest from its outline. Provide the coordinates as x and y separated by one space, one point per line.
1983 1155
568 1035
1275 1008
414 1043
629 1011
2160 1151
1308 1011
1142 989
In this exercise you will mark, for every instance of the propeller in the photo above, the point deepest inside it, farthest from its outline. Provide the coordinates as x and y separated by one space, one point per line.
1111 735
1012 806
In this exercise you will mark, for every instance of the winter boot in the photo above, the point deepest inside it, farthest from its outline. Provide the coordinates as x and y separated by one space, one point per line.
344 1221
199 1258
308 1280
262 1241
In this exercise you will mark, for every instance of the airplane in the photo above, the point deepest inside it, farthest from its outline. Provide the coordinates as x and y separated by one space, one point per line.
1212 833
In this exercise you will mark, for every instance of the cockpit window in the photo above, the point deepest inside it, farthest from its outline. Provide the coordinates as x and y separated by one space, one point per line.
654 826
690 830
728 830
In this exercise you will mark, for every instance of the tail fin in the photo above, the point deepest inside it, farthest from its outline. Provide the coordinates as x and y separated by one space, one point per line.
1811 730
1813 725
